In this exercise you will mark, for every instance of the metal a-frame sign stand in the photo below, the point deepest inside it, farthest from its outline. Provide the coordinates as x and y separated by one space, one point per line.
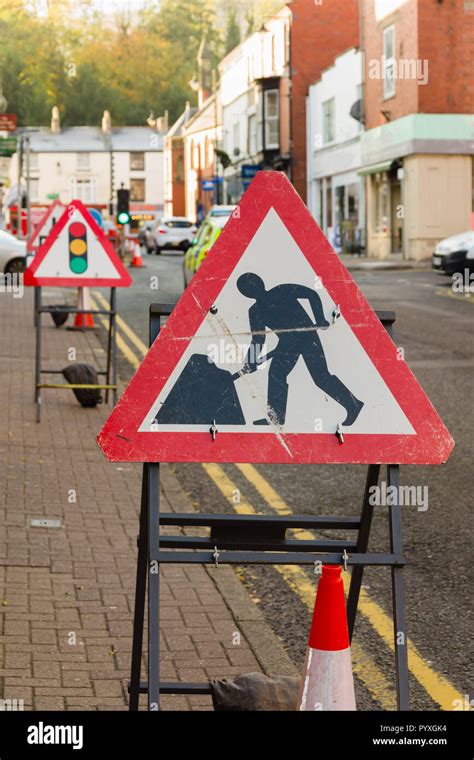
76 254
182 405
257 539
110 371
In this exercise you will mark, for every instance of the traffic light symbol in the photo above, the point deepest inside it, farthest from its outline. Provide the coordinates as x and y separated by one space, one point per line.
78 247
123 206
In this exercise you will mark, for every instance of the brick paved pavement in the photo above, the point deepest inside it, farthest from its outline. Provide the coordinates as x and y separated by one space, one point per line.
66 594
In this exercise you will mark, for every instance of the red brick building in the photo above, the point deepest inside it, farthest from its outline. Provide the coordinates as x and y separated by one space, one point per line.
419 100
320 30
441 33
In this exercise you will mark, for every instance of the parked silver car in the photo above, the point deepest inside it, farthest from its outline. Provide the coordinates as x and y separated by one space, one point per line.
12 253
174 232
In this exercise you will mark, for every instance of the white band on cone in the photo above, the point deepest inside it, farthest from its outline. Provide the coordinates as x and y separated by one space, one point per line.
328 683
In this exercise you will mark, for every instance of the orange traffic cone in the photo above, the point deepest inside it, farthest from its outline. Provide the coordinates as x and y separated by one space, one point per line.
83 321
137 256
327 680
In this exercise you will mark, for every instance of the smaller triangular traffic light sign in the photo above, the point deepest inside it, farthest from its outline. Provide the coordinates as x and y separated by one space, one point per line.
45 225
76 253
274 355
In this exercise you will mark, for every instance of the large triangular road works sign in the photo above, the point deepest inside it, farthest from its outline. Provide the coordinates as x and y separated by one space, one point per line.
274 355
76 253
45 225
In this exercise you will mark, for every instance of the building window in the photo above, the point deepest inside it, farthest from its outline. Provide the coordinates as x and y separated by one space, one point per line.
271 110
83 162
137 162
328 121
252 132
33 162
83 190
34 190
388 62
137 189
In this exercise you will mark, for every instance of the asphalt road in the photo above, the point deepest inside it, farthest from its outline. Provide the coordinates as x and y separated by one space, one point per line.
436 330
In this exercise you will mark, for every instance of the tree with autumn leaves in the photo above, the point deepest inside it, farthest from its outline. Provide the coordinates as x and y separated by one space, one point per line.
131 65
139 61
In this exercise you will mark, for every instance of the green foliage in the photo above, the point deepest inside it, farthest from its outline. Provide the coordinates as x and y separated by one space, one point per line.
141 63
250 22
232 32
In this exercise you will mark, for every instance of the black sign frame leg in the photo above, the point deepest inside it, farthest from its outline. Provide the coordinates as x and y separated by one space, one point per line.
140 596
398 591
110 371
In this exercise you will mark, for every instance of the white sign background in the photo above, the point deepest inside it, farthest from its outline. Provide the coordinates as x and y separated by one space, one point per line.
275 257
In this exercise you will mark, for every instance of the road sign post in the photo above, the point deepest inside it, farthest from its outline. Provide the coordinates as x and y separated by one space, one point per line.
76 254
272 355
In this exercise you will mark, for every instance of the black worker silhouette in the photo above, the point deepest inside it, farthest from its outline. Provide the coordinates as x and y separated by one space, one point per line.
280 311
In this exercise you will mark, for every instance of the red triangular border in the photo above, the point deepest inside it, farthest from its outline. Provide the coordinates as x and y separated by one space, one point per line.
119 438
30 244
77 282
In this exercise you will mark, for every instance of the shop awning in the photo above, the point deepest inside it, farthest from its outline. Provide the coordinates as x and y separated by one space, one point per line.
374 168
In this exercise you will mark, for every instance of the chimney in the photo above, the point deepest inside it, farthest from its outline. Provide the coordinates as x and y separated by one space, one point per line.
55 123
106 123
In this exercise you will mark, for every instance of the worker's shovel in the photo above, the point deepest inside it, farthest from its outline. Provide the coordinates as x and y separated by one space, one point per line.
244 371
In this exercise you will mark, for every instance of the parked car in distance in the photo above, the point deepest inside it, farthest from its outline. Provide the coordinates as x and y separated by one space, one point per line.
451 254
12 253
208 233
216 211
175 232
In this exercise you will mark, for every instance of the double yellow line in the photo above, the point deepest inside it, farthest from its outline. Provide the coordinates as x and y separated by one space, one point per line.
440 690
122 326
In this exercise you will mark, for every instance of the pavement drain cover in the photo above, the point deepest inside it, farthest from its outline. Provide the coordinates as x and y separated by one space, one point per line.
46 523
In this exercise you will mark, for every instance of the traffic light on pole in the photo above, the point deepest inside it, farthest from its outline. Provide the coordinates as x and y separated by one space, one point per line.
123 210
78 247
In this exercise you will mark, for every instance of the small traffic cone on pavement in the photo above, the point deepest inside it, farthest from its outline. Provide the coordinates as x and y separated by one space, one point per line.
83 321
137 257
327 679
